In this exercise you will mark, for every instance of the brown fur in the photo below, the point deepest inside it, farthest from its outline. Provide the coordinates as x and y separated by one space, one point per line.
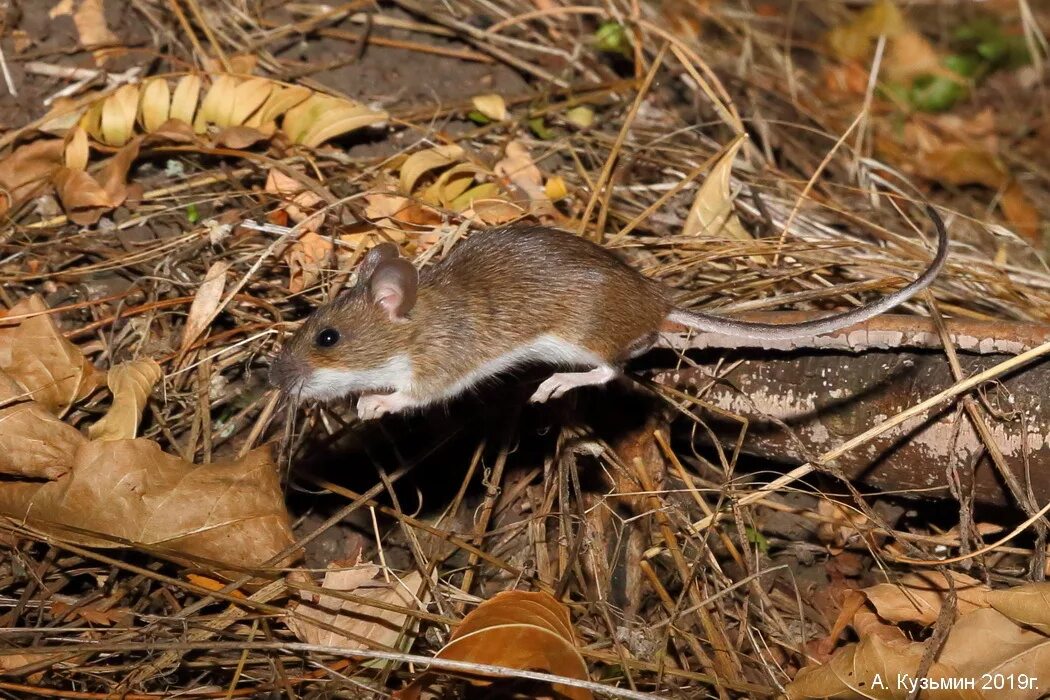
496 291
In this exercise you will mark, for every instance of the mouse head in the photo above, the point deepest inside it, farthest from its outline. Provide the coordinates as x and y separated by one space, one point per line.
356 342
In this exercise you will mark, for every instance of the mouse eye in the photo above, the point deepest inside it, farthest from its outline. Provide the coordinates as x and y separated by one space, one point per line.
328 337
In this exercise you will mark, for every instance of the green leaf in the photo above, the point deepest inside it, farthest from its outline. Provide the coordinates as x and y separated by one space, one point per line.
965 65
192 215
757 538
931 93
539 127
611 37
477 117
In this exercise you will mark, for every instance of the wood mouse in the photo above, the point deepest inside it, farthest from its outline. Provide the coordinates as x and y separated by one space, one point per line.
504 297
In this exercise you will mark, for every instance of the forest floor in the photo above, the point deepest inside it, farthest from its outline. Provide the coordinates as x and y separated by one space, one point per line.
183 181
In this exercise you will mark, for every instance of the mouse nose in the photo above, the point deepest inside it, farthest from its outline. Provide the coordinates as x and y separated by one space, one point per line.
284 372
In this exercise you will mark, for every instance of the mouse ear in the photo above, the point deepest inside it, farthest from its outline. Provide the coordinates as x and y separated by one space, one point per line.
393 287
373 258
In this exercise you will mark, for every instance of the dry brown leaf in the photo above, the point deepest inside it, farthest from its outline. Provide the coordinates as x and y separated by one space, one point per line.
518 629
963 164
281 99
1020 212
493 212
518 167
33 443
395 214
421 162
124 492
86 199
28 170
322 117
90 21
44 364
205 302
1028 604
239 137
384 627
306 259
873 668
1001 638
299 201
712 211
131 384
917 597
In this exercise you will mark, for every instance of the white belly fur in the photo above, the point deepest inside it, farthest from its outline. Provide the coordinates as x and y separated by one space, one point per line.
549 349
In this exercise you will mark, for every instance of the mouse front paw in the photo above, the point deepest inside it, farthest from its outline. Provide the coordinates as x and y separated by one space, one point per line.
372 406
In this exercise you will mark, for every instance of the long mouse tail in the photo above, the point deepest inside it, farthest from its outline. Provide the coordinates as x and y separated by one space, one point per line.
786 331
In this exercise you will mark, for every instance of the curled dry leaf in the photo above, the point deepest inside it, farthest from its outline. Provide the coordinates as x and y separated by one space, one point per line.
356 619
84 198
306 259
421 162
48 368
205 302
129 492
517 629
131 384
917 597
321 117
394 213
712 211
28 170
299 201
492 106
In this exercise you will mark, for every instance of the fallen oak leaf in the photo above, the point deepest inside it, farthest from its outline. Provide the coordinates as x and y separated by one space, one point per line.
516 629
1028 604
917 597
27 171
131 384
306 258
356 619
123 493
34 444
86 198
49 368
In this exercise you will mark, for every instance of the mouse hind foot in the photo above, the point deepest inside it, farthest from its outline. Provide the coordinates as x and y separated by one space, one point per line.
557 384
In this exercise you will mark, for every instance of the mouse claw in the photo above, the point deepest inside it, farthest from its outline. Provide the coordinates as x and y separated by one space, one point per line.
372 406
